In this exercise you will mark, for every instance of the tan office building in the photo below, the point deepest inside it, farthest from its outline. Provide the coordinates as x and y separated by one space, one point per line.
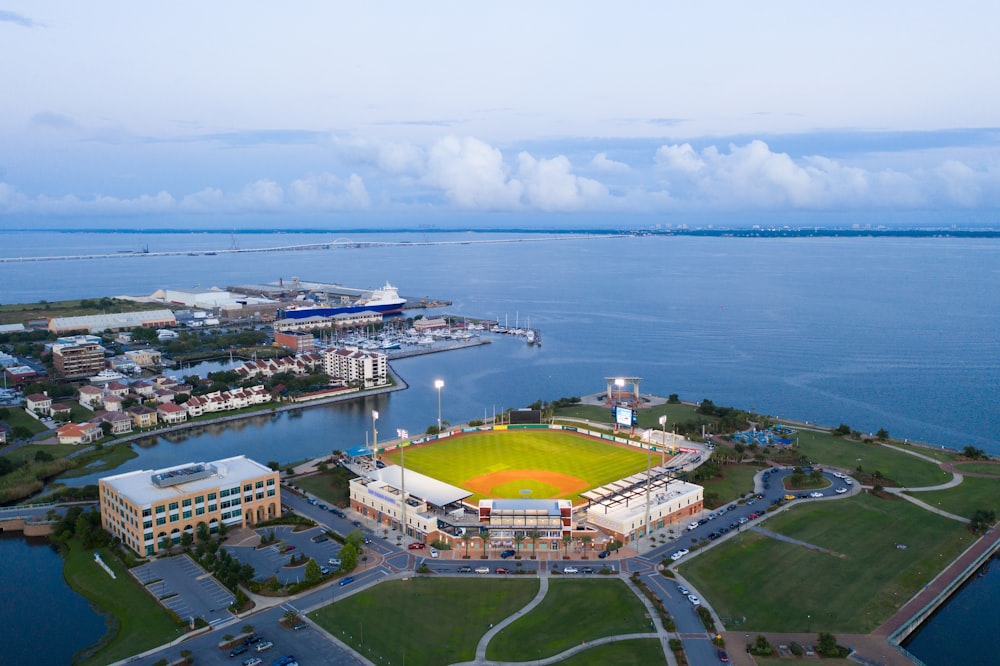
150 509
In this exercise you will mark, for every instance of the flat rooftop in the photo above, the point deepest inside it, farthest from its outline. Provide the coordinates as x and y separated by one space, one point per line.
146 487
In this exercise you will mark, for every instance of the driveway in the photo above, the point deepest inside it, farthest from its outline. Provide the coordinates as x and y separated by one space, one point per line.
270 561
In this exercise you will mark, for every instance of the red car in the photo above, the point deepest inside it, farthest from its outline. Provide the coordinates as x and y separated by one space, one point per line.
502 570
416 545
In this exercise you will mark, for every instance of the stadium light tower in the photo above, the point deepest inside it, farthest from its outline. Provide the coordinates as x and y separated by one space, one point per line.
439 384
663 441
374 438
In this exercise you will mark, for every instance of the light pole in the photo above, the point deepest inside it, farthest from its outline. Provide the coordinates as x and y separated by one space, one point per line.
439 384
663 442
374 439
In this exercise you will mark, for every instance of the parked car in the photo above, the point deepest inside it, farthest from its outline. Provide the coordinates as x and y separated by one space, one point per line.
264 646
253 661
482 570
324 570
679 554
695 601
502 570
510 552
333 562
321 538
416 545
346 581
723 657
587 570
604 553
742 520
465 570
841 490
815 494
322 506
356 523
693 526
570 570
683 590
239 649
433 552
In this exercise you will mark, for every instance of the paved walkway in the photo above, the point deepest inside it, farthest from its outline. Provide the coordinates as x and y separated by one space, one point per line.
787 539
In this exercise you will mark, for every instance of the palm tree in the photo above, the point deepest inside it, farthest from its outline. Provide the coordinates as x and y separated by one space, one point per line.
518 538
567 540
534 535
466 537
483 536
585 540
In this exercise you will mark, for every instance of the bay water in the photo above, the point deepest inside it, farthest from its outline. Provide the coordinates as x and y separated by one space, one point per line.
893 333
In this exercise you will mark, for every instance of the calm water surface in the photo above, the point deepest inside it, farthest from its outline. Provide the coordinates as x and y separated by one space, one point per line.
896 333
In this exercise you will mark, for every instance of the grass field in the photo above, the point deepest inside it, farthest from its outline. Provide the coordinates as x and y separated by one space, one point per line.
906 470
736 481
424 621
331 485
992 469
142 622
780 586
551 464
442 619
966 498
557 623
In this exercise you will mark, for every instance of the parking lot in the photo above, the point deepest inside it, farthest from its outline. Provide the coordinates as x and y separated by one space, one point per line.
181 585
270 561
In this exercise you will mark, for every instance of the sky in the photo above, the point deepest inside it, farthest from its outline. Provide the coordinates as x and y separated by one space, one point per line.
186 111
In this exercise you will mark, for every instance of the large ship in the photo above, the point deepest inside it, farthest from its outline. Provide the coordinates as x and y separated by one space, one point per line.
385 300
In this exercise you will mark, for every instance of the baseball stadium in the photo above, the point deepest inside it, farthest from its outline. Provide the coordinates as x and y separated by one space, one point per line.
492 487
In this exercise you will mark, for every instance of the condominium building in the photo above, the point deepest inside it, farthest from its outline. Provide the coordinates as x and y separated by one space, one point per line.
353 366
149 510
78 360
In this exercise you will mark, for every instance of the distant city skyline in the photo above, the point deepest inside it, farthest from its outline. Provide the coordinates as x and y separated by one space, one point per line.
185 111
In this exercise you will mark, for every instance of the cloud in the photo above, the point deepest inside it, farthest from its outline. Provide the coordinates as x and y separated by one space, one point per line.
17 19
326 191
472 174
52 120
602 163
753 175
550 185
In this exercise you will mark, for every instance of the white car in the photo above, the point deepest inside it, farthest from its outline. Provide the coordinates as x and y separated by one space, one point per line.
571 570
679 554
333 562
695 601
693 526
482 570
841 490
815 494
433 552
848 481
264 645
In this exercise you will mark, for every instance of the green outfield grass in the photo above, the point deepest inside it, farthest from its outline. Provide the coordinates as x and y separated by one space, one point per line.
781 586
735 482
906 470
456 460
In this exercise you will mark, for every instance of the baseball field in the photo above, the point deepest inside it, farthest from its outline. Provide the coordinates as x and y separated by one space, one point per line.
502 464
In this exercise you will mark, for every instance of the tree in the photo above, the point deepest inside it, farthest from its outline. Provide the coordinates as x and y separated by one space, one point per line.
313 572
843 429
466 537
534 535
982 520
566 539
202 531
827 644
274 465
186 539
585 540
882 434
673 399
518 539
973 453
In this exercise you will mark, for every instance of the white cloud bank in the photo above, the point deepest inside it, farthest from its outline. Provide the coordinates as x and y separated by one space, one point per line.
466 173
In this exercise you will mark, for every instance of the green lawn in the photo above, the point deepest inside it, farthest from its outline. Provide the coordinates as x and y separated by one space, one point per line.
558 624
907 470
455 460
649 417
28 452
736 481
966 498
18 417
331 486
993 469
424 621
641 652
142 622
784 587
104 460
